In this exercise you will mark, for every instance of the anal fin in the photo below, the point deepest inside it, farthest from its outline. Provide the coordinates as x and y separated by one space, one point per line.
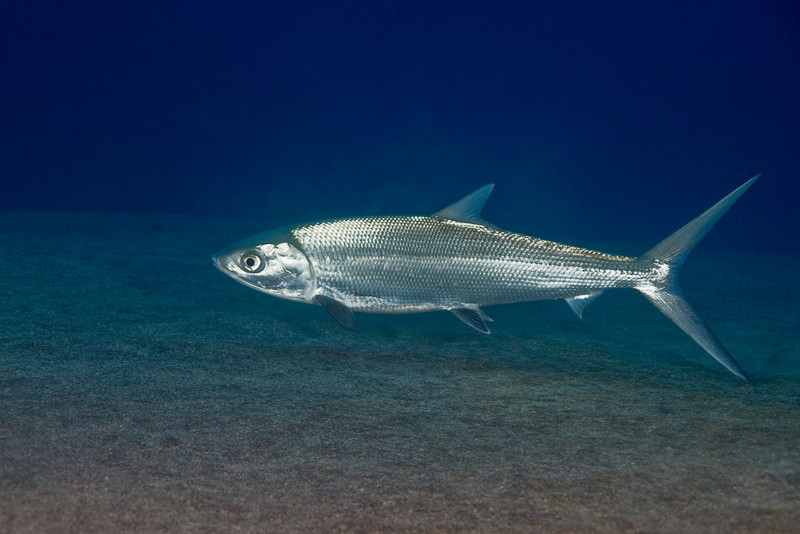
579 303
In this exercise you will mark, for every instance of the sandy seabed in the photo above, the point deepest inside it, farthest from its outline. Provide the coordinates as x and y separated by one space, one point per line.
143 391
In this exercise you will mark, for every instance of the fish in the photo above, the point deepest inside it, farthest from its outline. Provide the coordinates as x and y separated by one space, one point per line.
454 260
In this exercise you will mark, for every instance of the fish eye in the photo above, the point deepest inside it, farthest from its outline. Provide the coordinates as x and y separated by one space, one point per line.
251 262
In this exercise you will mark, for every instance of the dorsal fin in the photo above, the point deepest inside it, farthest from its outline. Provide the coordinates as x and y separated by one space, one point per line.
468 209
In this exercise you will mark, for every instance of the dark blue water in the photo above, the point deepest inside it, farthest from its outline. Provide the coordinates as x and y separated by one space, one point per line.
595 121
141 390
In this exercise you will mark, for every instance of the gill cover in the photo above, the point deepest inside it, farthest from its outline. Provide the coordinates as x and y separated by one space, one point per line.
269 264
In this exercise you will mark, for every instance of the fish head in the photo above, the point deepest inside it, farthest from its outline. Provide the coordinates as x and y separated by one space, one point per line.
272 263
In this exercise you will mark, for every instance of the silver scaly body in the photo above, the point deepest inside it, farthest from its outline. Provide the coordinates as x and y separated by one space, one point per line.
455 261
413 264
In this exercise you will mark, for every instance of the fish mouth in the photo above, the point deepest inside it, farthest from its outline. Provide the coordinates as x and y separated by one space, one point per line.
222 262
218 262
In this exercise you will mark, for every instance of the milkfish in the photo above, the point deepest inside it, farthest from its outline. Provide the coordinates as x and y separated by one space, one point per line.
455 261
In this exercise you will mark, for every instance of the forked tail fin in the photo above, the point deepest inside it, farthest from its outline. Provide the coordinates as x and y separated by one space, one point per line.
663 290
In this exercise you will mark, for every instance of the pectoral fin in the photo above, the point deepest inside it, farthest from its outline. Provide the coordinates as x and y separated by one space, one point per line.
474 317
340 312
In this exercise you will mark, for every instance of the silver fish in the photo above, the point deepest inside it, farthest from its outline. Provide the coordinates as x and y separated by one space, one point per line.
455 261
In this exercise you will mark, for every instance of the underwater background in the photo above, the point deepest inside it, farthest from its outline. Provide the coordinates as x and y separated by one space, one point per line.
141 390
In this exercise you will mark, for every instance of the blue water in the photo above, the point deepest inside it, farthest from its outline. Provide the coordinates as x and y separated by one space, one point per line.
141 390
